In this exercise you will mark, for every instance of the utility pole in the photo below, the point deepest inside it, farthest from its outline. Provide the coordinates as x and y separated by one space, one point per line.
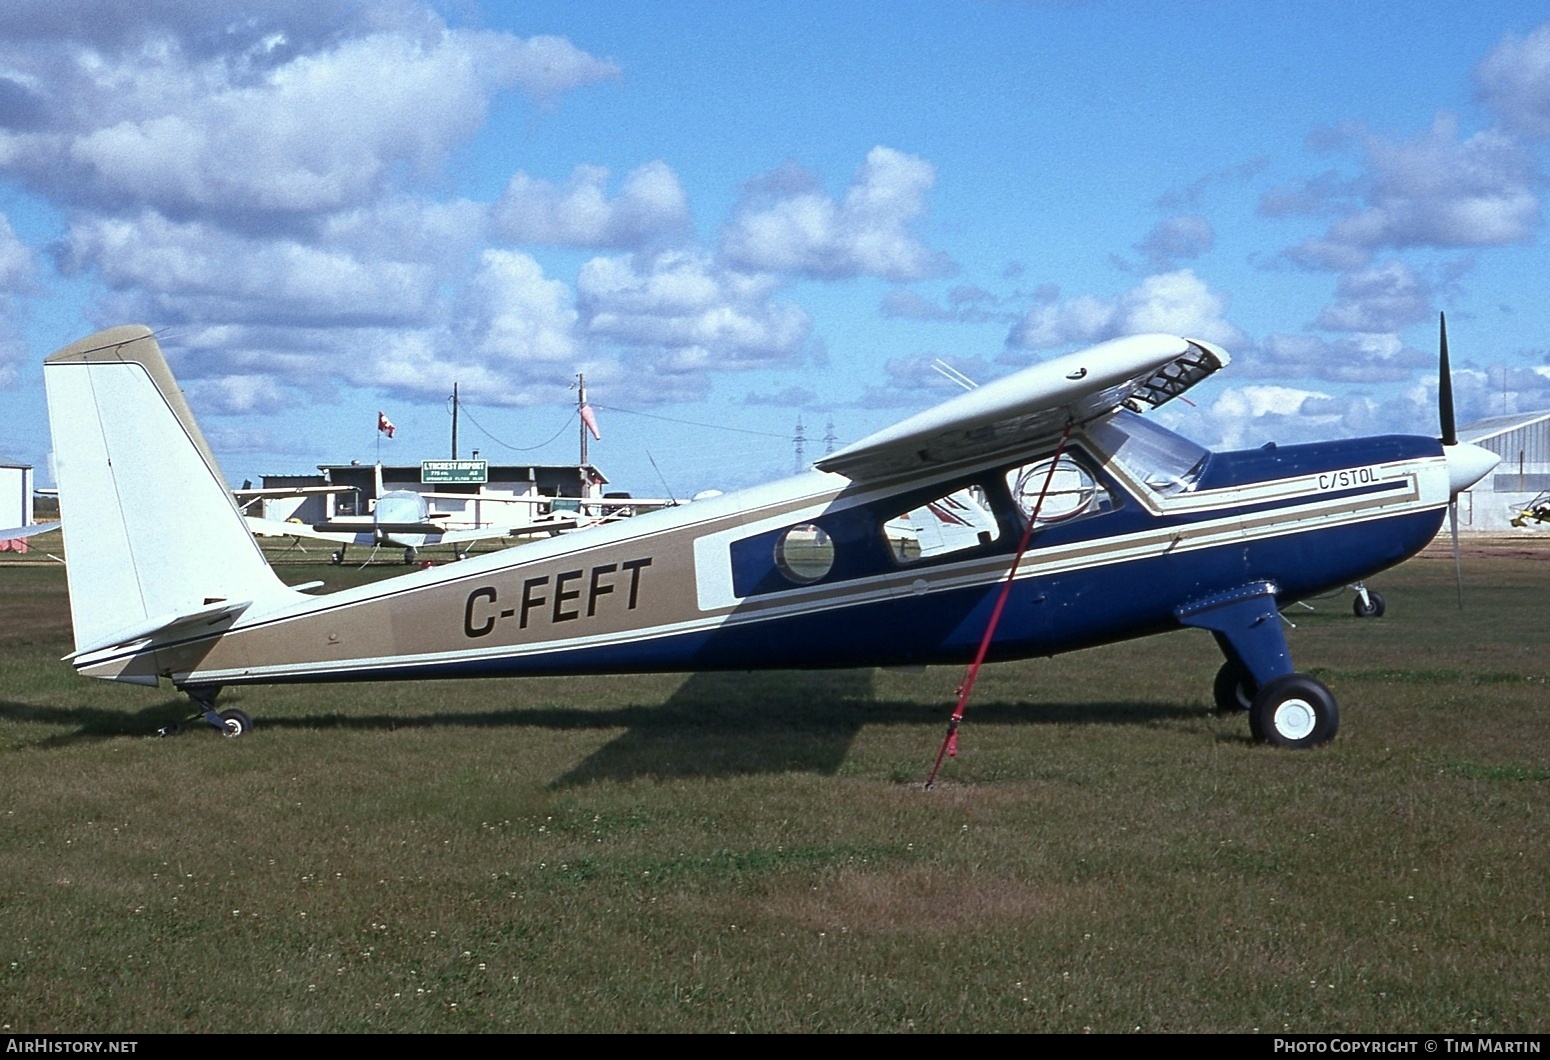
828 437
801 446
454 421
581 403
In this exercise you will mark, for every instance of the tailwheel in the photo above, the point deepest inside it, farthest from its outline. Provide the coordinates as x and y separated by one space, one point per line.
1233 689
1294 711
235 723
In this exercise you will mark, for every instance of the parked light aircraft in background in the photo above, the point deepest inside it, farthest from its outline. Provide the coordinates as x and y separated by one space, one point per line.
403 519
17 533
849 564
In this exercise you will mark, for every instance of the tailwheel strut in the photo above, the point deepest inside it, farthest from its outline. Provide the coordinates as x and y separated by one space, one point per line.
230 723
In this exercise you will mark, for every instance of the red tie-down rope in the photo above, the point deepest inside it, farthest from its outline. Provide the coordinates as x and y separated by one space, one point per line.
966 686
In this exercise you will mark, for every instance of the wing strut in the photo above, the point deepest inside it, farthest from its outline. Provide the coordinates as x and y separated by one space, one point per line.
966 686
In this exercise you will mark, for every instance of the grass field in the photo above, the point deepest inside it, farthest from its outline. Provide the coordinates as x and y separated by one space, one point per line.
755 852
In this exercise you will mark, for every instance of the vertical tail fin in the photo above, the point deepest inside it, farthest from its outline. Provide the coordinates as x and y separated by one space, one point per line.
151 531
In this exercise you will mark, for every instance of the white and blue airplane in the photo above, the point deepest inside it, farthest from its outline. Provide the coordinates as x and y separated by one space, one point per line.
892 551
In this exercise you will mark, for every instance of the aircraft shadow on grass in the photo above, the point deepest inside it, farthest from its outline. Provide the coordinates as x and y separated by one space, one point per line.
714 725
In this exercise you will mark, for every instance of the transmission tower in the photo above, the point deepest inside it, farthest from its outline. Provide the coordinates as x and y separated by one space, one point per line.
799 440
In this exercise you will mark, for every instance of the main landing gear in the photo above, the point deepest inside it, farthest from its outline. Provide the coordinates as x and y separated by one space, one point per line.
230 723
1285 709
1368 603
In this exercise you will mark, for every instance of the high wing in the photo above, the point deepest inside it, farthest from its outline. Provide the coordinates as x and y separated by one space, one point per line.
1137 372
246 497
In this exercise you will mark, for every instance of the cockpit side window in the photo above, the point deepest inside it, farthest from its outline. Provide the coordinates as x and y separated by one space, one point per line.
954 522
1165 462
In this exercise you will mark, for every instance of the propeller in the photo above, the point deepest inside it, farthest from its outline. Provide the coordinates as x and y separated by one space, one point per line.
1449 437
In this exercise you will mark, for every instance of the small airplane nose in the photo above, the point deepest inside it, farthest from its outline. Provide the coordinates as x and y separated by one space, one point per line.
1467 464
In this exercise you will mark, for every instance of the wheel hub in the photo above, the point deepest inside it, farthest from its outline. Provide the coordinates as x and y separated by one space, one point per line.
1295 719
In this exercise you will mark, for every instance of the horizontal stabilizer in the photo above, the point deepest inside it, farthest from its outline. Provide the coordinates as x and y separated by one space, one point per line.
163 624
1037 402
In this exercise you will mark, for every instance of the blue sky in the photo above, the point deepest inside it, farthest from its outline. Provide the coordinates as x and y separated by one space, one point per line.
738 214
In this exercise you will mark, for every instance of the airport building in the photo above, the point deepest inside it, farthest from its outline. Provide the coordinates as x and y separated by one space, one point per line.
15 495
1523 443
470 493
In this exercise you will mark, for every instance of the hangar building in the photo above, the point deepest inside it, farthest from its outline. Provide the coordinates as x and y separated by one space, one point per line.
1523 443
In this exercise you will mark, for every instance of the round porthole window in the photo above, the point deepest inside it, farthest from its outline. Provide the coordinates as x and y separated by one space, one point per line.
804 553
1072 491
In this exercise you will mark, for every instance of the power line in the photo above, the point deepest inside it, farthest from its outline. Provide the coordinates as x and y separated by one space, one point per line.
508 445
689 423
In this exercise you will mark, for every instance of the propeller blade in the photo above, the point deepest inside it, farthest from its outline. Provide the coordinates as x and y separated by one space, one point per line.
1445 386
1458 566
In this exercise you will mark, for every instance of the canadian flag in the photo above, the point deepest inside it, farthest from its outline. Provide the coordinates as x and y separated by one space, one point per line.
384 424
590 419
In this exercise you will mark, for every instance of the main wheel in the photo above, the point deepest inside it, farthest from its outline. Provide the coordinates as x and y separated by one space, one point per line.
235 723
1294 711
1233 688
1373 608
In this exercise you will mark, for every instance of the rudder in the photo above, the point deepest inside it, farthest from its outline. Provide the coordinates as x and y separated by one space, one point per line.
151 530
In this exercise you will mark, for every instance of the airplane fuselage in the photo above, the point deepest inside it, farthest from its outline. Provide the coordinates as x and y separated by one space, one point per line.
816 571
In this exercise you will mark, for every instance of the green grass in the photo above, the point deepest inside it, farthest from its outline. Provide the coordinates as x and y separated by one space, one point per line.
754 852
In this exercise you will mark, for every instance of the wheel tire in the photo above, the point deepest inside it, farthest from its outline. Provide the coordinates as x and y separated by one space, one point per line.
336 557
235 724
1372 609
1294 711
1233 689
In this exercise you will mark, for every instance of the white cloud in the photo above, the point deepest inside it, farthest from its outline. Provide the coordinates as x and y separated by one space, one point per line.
240 136
1435 190
1515 80
17 272
1383 298
1356 358
194 272
1248 415
580 214
1178 303
913 382
964 303
788 224
524 318
691 314
1175 239
797 397
17 267
239 395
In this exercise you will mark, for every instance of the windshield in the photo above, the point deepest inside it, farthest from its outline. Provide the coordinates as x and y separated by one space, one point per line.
1166 462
